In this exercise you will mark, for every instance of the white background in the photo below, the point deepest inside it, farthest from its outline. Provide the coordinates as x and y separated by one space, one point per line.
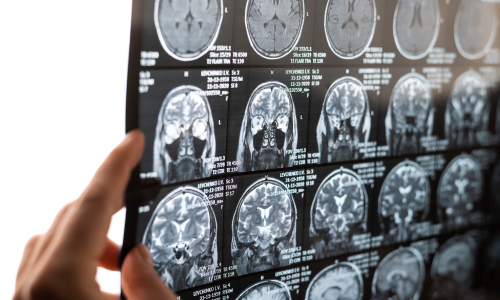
63 68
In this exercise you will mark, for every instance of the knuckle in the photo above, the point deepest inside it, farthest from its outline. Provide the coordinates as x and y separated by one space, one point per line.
32 242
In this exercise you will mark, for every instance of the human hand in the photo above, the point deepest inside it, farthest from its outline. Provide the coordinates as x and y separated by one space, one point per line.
62 263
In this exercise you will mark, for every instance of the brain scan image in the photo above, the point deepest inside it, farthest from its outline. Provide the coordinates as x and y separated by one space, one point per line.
459 190
416 27
410 116
184 145
266 290
182 238
467 110
274 27
264 223
350 26
345 121
341 281
187 29
268 130
404 200
475 28
399 276
339 210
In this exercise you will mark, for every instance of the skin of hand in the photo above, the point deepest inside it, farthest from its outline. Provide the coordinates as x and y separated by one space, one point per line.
62 263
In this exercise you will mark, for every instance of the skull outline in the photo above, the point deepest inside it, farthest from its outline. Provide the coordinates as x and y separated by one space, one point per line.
254 292
326 281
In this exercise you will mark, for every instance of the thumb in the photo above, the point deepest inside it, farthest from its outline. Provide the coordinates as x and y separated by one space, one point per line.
139 279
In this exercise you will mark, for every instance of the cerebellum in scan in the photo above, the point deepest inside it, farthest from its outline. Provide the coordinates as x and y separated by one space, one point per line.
350 26
339 281
187 29
266 290
182 238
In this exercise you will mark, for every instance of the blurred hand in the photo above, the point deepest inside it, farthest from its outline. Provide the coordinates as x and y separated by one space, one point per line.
62 263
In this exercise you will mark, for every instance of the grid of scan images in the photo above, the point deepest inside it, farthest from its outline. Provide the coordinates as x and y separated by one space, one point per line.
322 149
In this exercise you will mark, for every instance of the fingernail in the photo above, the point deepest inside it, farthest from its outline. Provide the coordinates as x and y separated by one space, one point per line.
144 252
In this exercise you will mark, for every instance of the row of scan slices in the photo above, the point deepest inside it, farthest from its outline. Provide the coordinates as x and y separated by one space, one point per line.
221 229
204 123
330 32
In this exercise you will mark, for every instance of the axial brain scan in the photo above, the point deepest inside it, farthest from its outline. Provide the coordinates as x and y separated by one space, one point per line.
274 26
404 200
345 121
467 111
182 238
184 145
350 26
187 29
410 115
268 130
459 190
399 276
339 281
264 223
339 210
266 290
475 28
416 27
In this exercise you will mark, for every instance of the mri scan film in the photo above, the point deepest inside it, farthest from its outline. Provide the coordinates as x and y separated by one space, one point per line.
339 281
266 290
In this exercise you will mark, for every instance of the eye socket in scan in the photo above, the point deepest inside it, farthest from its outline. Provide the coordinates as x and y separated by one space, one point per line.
266 290
339 281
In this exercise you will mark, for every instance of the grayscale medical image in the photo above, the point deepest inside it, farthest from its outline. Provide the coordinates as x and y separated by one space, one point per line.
266 290
184 145
399 276
410 115
350 26
339 281
495 188
182 238
345 121
274 27
459 190
339 210
475 28
492 263
416 27
187 29
268 130
467 110
404 200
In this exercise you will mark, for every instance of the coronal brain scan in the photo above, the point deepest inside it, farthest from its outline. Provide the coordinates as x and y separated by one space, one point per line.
274 26
410 115
350 26
268 130
459 190
187 29
266 290
339 281
182 238
467 111
399 276
404 200
339 210
184 145
263 224
416 27
475 28
345 121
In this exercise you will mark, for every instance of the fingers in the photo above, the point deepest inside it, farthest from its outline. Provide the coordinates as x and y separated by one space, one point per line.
25 261
110 256
139 279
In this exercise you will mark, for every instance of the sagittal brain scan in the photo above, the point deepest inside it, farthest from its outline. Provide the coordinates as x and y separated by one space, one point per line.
404 200
266 290
268 130
184 145
475 28
350 26
187 29
467 111
339 210
264 223
345 121
274 26
416 27
339 281
400 275
410 115
182 238
459 190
